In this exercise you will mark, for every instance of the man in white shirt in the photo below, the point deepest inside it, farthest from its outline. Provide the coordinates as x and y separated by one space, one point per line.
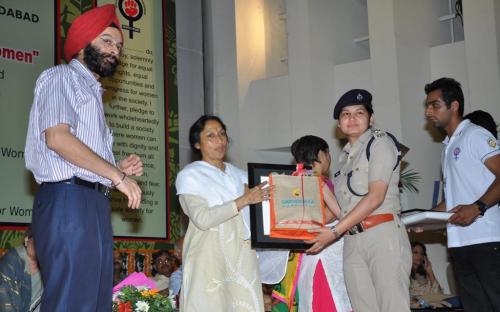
471 172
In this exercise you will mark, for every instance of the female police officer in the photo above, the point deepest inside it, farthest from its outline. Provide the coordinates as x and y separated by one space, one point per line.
377 253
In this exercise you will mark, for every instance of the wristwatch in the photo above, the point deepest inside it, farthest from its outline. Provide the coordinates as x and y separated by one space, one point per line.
334 230
482 206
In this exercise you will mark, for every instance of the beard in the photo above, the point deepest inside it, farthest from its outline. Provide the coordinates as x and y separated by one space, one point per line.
98 62
438 124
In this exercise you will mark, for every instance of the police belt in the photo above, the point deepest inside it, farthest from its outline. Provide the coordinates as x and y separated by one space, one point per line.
101 188
370 222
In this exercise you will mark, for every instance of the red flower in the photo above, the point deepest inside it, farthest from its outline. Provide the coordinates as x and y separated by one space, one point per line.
125 307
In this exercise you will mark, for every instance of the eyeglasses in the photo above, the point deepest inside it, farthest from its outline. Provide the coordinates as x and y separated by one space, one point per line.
110 43
213 136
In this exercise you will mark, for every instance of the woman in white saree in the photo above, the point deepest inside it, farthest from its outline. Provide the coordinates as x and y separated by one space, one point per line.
220 270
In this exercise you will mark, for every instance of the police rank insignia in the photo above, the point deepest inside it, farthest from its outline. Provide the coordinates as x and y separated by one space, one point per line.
492 142
378 133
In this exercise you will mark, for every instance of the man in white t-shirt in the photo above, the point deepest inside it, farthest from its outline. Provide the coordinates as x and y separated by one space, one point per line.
471 172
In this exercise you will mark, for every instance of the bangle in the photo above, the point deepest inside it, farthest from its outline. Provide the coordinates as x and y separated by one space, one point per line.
123 178
334 230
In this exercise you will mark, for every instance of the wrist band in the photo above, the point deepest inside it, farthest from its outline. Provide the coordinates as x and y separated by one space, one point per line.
123 178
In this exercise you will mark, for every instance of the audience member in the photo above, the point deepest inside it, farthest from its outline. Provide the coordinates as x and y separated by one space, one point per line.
162 269
118 272
422 278
20 280
176 277
471 172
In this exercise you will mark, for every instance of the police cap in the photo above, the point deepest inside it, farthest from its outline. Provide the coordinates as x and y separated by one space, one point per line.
353 97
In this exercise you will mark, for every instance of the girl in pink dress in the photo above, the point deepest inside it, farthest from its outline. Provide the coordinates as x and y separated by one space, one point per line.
321 280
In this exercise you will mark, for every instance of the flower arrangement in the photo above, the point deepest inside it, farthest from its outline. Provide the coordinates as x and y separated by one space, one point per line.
140 299
137 293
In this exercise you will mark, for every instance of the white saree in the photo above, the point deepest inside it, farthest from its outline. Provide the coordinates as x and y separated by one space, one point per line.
220 270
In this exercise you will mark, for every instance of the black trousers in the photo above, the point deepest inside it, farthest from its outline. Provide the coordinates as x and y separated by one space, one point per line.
477 270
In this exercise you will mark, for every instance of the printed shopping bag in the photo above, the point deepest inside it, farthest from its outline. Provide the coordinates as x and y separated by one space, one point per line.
296 206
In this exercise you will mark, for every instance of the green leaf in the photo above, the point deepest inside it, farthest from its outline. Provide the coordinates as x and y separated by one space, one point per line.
408 180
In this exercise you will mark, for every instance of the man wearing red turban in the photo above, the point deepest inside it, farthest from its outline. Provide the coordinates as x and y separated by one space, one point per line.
69 151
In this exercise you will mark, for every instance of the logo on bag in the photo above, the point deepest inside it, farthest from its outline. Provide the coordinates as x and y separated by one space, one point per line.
296 192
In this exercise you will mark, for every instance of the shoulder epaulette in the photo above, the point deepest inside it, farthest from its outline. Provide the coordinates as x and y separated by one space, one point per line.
376 134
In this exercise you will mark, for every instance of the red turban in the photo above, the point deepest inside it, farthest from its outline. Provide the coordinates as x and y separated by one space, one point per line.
87 27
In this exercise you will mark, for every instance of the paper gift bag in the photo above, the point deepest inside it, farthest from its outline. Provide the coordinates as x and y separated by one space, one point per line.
296 206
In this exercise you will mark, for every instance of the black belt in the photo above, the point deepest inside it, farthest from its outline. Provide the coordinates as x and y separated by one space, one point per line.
101 188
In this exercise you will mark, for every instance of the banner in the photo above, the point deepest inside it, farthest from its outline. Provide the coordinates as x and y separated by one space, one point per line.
135 108
24 54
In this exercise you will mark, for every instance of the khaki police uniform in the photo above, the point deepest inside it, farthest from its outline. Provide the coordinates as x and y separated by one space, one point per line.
377 262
